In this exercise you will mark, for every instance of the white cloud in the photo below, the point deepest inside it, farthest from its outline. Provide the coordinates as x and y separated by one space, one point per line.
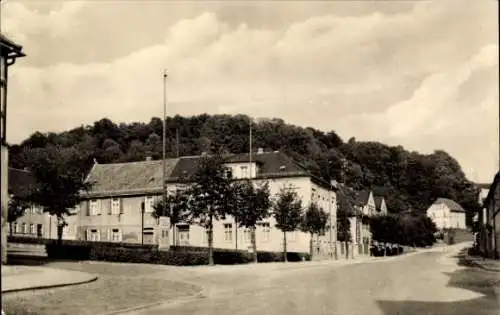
403 71
19 21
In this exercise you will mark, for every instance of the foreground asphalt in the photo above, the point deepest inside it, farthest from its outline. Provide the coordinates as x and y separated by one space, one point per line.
427 283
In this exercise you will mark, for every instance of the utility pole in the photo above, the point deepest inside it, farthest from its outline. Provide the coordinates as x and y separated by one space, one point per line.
164 162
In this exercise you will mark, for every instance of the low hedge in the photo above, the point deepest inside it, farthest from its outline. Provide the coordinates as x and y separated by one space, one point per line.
187 256
26 240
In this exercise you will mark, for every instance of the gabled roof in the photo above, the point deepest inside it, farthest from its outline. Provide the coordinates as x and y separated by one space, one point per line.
362 198
136 178
128 178
343 202
378 202
452 205
20 182
492 190
272 164
483 185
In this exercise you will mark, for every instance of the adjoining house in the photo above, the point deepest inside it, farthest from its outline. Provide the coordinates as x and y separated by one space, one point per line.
360 224
480 217
447 214
489 220
9 52
112 209
34 222
380 206
119 205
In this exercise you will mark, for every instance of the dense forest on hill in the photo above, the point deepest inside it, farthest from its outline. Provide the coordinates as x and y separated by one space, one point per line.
409 181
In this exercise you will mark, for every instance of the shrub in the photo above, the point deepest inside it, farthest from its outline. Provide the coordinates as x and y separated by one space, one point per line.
71 252
178 255
25 240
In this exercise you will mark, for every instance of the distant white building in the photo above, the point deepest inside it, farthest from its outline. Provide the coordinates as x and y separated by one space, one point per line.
446 213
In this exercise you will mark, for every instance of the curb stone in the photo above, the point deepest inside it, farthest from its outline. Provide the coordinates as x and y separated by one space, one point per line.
59 285
479 265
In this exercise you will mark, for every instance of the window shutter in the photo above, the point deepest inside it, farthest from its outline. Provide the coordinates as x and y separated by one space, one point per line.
109 235
110 206
121 206
87 207
87 234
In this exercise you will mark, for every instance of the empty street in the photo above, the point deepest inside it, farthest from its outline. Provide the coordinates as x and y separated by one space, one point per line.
425 283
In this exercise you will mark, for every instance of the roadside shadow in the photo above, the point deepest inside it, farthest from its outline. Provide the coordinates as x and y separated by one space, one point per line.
470 278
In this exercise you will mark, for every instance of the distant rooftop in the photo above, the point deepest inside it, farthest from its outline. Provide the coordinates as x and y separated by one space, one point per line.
452 205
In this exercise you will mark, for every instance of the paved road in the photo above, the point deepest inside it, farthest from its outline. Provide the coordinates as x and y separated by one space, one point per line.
413 285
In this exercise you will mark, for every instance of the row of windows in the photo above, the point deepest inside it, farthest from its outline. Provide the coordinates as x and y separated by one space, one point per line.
316 196
94 235
23 228
95 206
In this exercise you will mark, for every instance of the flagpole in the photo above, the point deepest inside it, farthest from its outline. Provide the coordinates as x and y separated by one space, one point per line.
164 162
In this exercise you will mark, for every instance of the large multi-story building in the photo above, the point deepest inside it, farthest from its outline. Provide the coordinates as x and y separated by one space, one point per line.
9 52
119 205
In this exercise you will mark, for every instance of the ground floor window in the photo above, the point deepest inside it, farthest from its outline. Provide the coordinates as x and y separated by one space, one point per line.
228 232
116 235
39 230
247 235
93 235
266 231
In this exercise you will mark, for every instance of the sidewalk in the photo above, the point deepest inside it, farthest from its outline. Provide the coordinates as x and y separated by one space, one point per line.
20 278
278 266
484 263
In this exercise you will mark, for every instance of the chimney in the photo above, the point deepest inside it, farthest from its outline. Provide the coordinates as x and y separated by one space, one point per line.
260 150
333 183
148 158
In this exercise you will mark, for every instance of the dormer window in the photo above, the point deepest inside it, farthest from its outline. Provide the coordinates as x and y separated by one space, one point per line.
282 168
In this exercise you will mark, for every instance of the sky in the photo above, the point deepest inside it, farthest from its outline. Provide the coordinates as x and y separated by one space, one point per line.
421 74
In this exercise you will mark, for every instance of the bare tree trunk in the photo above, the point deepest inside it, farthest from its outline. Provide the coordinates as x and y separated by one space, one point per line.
284 247
10 228
59 233
254 245
236 233
173 235
210 242
346 249
311 249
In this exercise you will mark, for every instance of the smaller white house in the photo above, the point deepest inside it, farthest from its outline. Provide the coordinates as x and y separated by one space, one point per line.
446 213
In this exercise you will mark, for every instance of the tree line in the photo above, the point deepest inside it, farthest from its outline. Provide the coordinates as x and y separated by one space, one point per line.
408 180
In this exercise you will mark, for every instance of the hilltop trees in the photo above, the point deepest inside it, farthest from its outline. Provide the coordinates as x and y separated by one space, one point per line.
410 180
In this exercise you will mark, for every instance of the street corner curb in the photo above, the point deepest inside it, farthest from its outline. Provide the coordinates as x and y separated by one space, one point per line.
53 286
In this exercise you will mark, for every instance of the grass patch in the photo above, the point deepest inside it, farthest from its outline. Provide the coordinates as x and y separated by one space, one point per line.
104 295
